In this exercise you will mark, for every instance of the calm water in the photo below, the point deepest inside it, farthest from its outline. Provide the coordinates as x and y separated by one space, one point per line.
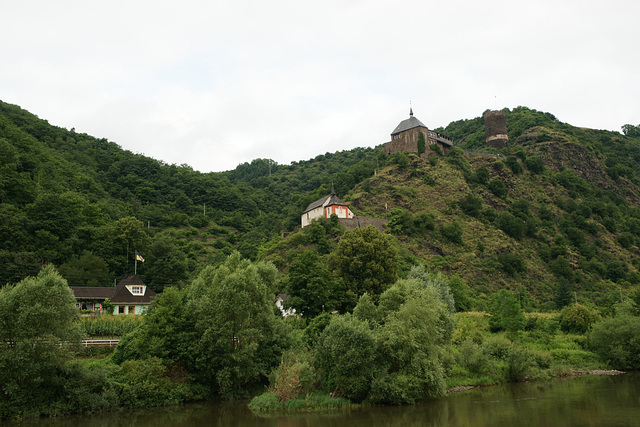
584 401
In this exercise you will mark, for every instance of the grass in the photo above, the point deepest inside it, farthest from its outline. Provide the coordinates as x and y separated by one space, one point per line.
317 401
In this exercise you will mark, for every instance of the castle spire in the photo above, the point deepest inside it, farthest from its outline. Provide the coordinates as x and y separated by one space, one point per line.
410 110
333 191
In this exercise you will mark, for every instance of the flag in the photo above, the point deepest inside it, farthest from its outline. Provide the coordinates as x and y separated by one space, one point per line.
139 257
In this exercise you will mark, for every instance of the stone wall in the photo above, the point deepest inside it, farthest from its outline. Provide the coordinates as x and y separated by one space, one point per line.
495 124
362 222
408 142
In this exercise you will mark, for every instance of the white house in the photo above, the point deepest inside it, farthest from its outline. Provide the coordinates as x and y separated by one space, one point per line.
325 207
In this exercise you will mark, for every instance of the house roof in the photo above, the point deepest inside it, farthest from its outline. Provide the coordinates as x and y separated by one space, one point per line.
407 124
331 199
93 292
118 294
123 295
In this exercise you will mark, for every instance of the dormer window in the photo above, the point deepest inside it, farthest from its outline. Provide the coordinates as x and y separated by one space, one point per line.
137 290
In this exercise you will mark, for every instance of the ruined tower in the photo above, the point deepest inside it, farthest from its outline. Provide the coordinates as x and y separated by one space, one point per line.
495 125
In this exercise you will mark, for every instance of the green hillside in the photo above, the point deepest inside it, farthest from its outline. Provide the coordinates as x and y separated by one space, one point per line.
556 215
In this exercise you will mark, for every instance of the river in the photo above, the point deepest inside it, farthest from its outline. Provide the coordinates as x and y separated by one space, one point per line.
583 401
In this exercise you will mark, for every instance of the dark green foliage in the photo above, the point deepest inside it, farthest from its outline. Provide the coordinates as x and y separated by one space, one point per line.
366 261
421 143
562 295
345 355
312 287
534 164
38 329
631 130
616 341
482 175
452 232
511 263
513 164
498 188
512 226
471 205
86 270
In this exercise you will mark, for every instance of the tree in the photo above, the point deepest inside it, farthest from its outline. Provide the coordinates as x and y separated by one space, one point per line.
165 264
239 341
38 328
86 270
311 285
616 341
421 143
631 130
506 312
366 261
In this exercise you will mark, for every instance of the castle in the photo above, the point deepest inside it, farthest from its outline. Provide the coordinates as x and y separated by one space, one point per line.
405 136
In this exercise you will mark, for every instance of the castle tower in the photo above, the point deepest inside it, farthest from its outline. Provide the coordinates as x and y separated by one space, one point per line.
495 124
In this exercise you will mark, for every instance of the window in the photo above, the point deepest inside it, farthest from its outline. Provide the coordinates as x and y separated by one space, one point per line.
136 290
132 309
121 309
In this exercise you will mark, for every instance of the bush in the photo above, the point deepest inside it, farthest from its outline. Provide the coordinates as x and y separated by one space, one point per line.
452 232
109 325
511 263
577 318
345 355
512 226
293 377
498 188
617 341
471 357
498 347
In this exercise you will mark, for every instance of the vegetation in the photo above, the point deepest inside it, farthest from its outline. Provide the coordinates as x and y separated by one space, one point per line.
541 243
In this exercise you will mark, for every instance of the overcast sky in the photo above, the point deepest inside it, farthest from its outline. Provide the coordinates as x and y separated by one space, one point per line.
216 83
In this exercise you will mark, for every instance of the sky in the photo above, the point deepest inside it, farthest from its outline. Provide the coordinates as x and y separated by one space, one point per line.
213 84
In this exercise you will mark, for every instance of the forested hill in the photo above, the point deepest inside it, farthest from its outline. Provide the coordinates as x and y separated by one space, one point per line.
559 213
84 203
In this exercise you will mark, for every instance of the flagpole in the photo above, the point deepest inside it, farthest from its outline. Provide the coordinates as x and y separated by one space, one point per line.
135 266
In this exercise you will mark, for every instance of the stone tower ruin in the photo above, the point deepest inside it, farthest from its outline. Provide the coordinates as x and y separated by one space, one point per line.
495 124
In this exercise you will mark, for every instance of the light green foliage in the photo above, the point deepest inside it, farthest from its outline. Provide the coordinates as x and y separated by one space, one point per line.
366 261
617 341
38 328
506 312
295 376
577 318
399 343
108 325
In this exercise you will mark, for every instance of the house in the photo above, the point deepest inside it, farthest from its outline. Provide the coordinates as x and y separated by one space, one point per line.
280 299
405 136
325 207
130 296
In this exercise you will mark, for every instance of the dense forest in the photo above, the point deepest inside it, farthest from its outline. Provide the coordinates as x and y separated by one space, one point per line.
493 265
557 214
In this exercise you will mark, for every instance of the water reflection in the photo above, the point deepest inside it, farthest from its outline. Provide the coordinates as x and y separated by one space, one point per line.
585 401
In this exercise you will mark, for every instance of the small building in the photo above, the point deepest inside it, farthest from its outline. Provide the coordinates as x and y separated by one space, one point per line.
130 296
405 136
325 207
280 299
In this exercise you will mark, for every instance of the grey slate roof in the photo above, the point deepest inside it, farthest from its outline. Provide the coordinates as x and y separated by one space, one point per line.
93 292
122 294
118 294
332 200
407 124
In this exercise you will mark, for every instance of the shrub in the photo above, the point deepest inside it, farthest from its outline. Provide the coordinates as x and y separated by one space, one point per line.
511 263
293 377
577 318
452 232
498 347
498 188
512 226
534 164
520 364
617 341
471 357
